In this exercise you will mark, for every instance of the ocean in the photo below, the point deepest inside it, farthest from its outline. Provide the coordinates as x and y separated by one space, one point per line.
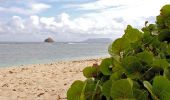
13 54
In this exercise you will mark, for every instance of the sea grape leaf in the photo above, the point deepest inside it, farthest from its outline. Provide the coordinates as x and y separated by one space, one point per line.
130 82
168 49
89 72
117 65
90 89
147 38
167 73
167 22
140 94
121 89
75 92
165 11
110 51
119 45
152 27
160 22
164 35
145 57
160 63
155 43
106 66
149 87
115 56
136 47
116 75
132 34
163 19
131 64
135 75
161 87
106 90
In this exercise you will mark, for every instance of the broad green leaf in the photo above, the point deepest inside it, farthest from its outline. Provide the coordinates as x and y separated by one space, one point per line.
90 89
75 92
130 82
116 75
115 56
149 87
119 45
160 63
140 94
117 66
165 11
106 90
164 35
134 75
132 34
106 66
131 64
160 22
160 90
121 89
147 38
136 47
155 43
145 57
110 51
167 22
161 87
168 49
152 27
89 72
167 73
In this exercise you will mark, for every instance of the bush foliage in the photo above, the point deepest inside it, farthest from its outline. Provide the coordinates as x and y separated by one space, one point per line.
138 68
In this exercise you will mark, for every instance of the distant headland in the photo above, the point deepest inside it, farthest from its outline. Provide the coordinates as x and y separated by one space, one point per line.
98 40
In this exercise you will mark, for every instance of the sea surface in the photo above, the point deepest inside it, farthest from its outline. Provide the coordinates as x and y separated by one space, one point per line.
13 54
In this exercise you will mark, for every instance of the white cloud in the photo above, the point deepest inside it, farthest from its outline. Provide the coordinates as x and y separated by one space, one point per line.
38 7
33 8
60 26
106 18
16 10
35 20
17 23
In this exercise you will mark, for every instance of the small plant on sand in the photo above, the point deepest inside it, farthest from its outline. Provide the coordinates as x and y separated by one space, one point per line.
138 69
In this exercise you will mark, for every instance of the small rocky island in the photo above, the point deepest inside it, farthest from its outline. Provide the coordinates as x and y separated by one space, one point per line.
49 40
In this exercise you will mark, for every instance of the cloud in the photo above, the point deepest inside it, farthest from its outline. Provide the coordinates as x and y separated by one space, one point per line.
61 27
77 21
38 7
28 9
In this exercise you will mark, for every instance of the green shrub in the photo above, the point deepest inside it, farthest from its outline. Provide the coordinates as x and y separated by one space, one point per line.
138 68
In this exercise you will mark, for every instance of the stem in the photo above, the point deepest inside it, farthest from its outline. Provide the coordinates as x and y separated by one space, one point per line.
146 72
95 89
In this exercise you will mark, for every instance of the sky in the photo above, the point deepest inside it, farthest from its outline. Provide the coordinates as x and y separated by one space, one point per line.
73 20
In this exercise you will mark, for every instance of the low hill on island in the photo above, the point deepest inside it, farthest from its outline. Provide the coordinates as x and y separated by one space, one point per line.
98 40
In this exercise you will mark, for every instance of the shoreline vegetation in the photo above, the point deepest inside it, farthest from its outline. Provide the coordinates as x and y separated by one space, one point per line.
138 67
41 81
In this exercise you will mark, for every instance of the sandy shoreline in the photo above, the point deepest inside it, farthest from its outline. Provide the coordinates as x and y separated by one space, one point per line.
41 81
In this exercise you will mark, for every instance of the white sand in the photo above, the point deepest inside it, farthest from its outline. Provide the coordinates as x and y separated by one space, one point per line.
41 81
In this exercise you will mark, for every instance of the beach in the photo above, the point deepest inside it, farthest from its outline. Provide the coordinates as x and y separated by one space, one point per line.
41 81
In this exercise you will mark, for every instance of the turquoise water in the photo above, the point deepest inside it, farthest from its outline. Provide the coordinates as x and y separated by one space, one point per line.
12 54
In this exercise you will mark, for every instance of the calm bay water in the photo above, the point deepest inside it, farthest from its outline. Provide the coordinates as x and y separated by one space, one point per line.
12 54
